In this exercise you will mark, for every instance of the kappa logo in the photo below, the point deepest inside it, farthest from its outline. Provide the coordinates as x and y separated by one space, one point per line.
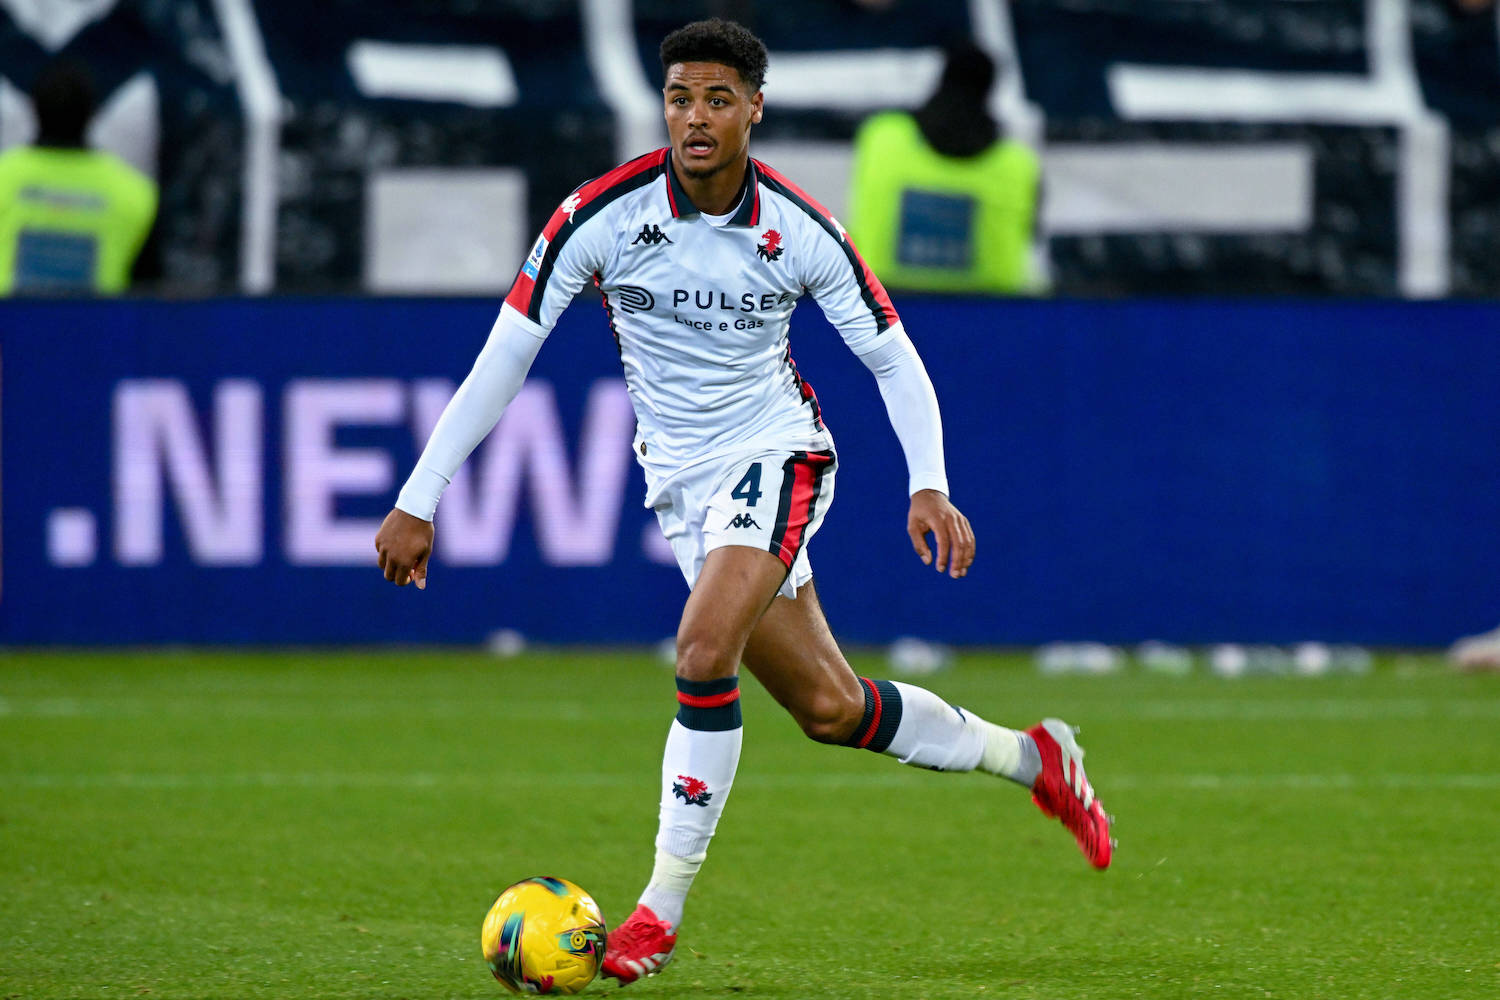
771 249
742 521
571 204
634 299
651 236
691 791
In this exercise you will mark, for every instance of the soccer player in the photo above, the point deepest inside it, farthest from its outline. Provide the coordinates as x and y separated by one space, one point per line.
701 253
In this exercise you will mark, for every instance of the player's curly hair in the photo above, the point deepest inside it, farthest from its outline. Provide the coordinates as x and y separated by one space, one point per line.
718 41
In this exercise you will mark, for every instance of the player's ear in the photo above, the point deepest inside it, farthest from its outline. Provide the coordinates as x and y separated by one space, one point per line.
758 102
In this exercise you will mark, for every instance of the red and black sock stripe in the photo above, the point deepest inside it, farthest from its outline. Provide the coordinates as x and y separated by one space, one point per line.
709 706
801 484
882 716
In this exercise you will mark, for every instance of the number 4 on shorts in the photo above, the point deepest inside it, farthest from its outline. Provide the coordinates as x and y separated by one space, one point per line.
748 489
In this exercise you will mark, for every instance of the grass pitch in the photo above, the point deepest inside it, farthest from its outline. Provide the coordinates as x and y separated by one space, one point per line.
313 824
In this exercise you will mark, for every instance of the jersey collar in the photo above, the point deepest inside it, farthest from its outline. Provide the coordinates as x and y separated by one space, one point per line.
748 212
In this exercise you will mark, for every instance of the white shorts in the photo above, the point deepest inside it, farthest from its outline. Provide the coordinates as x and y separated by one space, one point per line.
766 500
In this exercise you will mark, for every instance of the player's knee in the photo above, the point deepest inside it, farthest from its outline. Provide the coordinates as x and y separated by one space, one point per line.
829 716
705 657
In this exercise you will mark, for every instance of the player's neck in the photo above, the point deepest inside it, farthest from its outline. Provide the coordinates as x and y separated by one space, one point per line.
717 193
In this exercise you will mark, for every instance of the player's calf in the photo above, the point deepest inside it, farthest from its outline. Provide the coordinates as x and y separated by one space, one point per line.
828 716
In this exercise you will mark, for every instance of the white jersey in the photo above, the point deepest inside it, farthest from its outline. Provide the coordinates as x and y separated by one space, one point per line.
699 310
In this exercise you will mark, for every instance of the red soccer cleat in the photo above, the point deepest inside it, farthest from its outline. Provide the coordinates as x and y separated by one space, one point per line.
1062 790
641 946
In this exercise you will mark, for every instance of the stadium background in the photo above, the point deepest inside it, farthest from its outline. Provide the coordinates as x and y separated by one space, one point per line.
1259 406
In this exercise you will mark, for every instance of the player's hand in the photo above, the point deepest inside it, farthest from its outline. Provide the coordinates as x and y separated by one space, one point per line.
931 512
403 544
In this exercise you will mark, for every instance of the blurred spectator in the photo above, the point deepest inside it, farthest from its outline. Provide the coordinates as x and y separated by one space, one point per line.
72 219
941 199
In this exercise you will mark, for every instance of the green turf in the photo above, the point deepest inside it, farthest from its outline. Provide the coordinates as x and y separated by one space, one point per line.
314 824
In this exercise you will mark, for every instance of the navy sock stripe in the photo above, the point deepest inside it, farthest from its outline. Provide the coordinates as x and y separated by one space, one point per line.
890 716
720 717
881 718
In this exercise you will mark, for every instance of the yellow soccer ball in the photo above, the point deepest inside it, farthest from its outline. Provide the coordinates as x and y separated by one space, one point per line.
544 935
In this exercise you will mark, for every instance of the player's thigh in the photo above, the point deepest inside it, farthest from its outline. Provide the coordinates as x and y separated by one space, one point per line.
733 590
793 654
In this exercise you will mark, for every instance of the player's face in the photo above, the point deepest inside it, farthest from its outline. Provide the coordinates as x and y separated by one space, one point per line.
709 113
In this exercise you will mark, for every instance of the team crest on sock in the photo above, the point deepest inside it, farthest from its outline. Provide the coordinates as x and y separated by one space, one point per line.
691 791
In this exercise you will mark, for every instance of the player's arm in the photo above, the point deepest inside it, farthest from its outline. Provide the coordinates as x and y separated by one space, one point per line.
856 304
563 258
912 407
404 540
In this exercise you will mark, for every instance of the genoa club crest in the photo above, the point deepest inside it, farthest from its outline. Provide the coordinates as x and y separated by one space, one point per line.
771 248
691 791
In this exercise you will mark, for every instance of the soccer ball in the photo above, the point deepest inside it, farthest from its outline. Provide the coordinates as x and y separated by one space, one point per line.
544 935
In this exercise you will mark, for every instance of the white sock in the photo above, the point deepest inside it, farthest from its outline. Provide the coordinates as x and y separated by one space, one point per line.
671 878
697 772
1009 753
932 733
917 727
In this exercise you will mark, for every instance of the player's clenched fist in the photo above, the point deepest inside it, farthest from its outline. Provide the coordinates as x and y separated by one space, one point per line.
403 544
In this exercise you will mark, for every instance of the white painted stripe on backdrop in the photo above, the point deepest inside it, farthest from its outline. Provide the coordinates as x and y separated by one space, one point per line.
856 80
260 99
1178 187
477 75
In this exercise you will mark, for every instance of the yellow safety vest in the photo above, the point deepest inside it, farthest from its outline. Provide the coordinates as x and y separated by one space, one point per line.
71 220
928 222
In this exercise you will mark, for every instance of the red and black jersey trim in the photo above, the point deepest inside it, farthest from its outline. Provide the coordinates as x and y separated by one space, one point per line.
881 719
747 202
805 390
609 313
801 485
586 201
870 288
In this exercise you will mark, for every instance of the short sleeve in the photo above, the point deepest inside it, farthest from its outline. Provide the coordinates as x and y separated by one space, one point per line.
847 291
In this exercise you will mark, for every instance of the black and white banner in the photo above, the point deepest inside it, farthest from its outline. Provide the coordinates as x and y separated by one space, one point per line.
1207 146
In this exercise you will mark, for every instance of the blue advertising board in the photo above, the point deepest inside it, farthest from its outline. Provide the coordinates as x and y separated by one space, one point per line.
213 472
